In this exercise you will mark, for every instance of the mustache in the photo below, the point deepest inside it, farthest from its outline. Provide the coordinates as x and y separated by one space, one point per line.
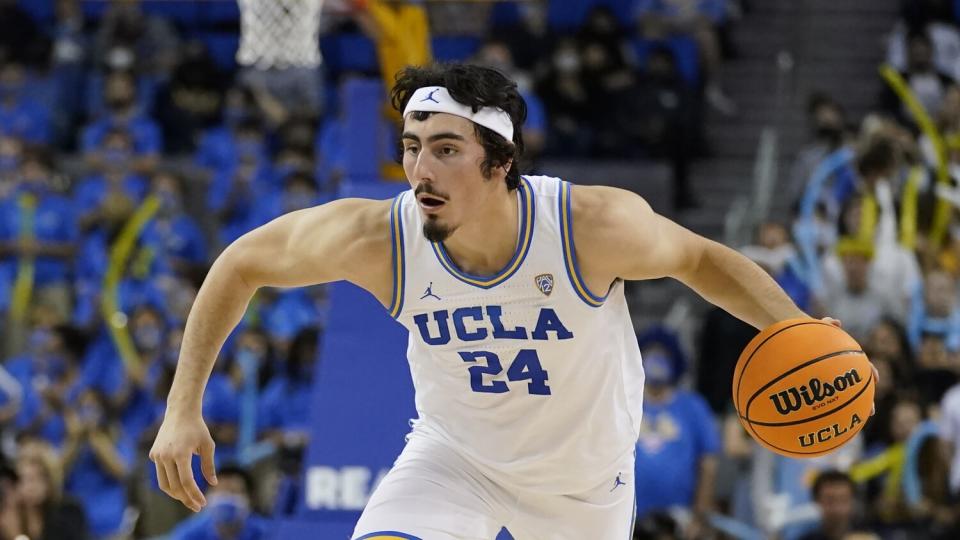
429 190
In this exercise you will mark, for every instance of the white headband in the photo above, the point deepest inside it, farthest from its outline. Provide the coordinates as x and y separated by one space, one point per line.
437 99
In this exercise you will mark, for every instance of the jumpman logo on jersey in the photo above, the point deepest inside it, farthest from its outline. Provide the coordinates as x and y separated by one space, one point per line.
617 482
430 96
429 292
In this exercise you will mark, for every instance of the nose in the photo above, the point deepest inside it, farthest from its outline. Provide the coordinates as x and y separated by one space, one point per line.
423 167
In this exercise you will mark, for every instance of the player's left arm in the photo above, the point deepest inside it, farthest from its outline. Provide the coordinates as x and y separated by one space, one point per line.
618 235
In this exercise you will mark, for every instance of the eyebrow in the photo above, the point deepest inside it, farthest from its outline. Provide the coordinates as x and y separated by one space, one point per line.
434 137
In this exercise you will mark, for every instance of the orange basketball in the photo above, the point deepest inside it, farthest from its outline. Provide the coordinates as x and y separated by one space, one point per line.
803 388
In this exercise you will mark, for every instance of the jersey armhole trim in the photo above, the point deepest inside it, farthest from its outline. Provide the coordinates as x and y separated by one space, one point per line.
570 250
397 256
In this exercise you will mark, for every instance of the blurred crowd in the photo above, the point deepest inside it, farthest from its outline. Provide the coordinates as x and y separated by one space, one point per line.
873 240
133 149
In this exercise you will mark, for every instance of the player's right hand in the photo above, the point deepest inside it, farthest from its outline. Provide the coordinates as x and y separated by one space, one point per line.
180 437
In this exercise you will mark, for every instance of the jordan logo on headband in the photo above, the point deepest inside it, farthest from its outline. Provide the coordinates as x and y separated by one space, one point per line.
430 96
438 99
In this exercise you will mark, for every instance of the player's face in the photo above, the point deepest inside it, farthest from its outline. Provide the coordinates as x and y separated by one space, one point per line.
441 158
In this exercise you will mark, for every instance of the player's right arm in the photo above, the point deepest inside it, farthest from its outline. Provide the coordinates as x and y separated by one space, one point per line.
348 239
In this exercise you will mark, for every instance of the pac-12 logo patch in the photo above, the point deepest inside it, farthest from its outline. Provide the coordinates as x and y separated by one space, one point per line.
545 283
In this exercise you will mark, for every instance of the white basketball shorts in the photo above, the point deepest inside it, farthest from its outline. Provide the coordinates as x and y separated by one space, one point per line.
432 493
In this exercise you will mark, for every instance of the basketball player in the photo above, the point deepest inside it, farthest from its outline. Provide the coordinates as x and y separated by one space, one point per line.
526 368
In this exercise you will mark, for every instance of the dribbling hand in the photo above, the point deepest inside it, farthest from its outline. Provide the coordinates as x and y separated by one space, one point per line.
180 437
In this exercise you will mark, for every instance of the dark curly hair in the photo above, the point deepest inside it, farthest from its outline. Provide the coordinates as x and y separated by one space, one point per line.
474 86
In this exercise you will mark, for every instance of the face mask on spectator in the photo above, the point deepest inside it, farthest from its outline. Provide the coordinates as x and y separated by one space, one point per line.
116 158
148 336
91 413
169 204
8 163
658 369
248 148
567 61
228 509
39 340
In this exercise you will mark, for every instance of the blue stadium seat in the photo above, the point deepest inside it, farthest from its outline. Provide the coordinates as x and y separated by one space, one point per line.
223 47
349 52
567 16
450 48
362 102
41 12
179 12
504 15
219 12
92 9
685 53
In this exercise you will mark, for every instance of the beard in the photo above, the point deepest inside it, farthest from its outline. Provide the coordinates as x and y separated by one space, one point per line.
435 231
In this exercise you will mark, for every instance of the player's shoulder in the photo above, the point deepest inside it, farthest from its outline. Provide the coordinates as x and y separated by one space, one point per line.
605 211
361 217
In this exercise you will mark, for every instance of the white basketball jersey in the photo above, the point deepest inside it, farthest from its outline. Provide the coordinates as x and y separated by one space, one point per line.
526 373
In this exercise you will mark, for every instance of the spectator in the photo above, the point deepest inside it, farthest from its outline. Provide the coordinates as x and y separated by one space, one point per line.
678 443
47 372
38 224
852 298
827 122
229 514
775 253
20 114
229 405
105 201
927 83
175 235
299 191
835 495
936 368
497 55
130 39
934 311
699 19
665 119
530 38
239 139
565 95
97 459
67 69
284 409
888 502
889 351
191 100
11 153
38 508
123 113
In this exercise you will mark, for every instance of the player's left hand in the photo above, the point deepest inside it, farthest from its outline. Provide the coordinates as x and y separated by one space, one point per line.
876 374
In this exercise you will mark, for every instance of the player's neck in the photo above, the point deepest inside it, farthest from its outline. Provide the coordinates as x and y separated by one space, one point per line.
485 245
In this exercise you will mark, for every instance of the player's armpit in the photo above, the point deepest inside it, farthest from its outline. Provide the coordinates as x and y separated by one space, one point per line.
618 235
347 239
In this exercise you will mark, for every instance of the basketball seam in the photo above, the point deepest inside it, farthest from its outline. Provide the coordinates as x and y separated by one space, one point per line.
757 348
792 371
822 451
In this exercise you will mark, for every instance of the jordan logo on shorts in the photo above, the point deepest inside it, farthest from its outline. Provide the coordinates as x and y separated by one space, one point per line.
617 482
429 292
